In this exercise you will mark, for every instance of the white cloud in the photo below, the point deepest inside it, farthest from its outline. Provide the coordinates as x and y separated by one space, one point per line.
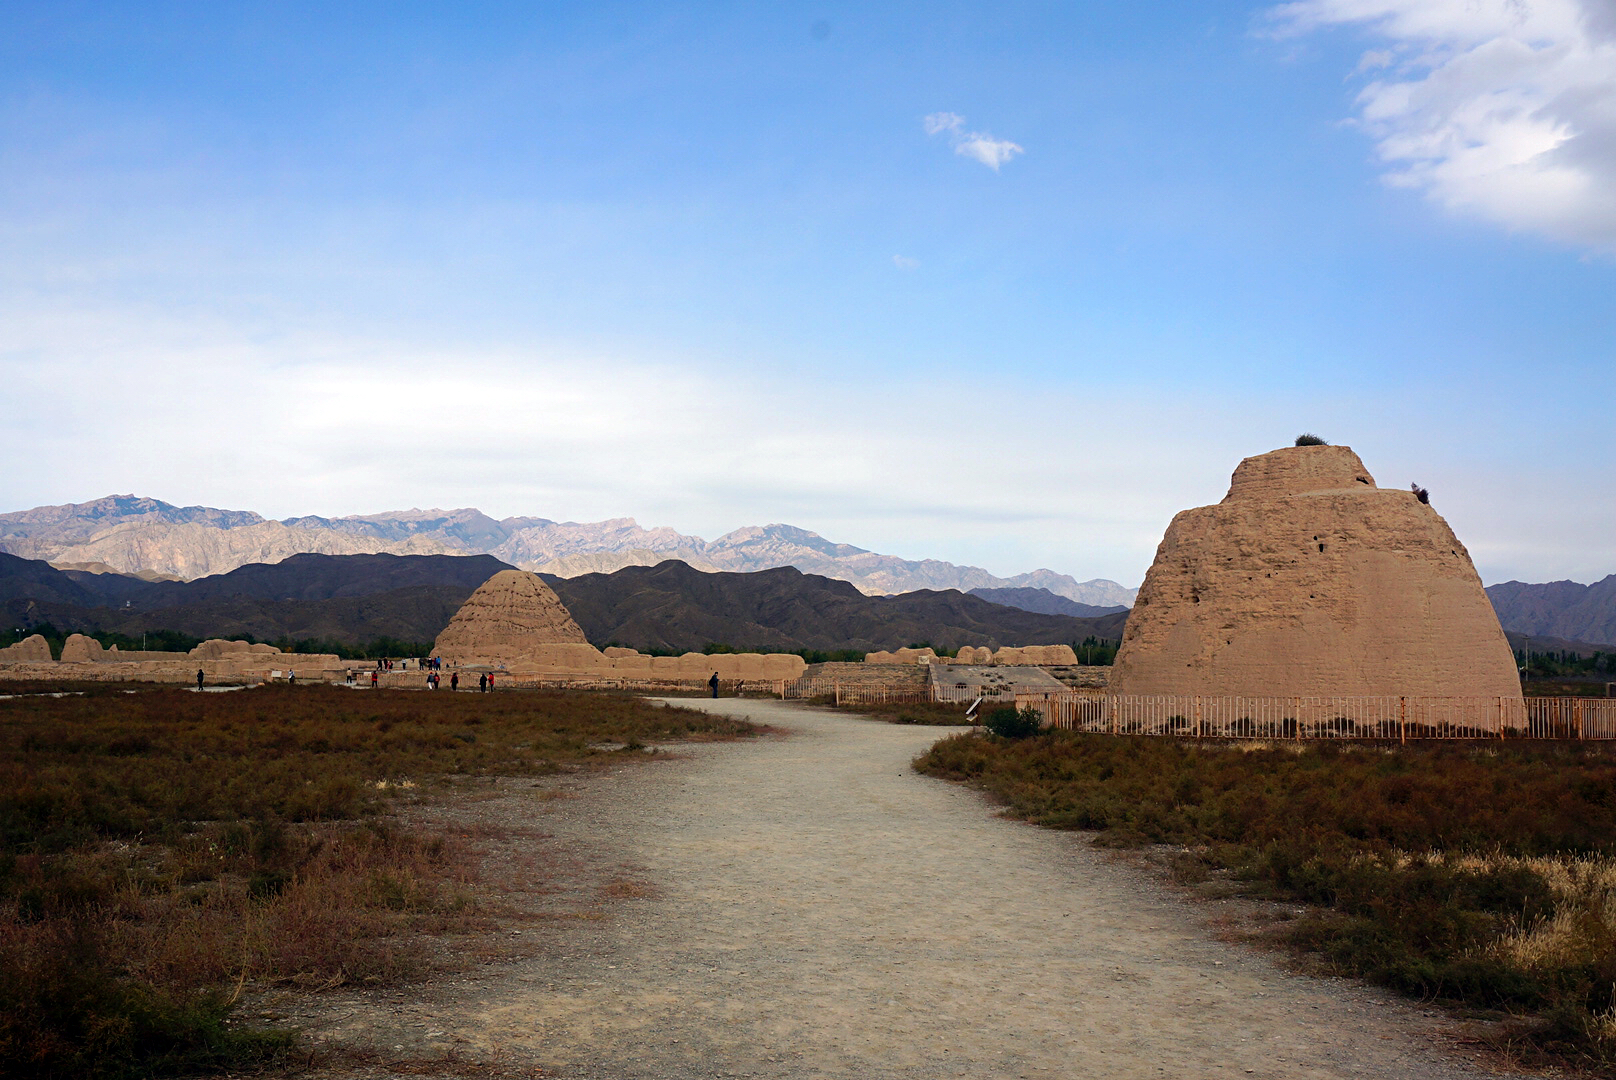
904 262
1505 109
978 145
988 150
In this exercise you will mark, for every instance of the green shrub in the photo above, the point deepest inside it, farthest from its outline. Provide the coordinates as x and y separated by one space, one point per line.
1309 439
1008 722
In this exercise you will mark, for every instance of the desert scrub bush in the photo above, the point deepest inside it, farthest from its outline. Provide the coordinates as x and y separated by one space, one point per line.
1483 874
1307 438
159 850
1008 722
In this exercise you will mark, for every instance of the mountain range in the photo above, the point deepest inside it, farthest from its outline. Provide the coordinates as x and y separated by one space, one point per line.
1046 602
674 606
1559 609
133 535
357 599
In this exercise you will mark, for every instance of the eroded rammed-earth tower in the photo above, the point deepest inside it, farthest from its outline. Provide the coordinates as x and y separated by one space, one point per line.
506 620
1308 580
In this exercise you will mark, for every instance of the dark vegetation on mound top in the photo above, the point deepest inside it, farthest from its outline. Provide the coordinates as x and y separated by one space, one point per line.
1478 874
350 602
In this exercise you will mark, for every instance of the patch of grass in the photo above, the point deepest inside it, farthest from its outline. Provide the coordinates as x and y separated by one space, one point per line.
1478 874
159 850
941 713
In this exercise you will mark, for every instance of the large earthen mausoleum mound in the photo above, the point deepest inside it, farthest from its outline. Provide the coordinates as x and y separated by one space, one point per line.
1309 580
506 620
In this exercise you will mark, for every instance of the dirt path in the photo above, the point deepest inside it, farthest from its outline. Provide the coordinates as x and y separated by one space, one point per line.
808 906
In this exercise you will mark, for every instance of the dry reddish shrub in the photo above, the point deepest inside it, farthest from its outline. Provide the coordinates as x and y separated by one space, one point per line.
159 849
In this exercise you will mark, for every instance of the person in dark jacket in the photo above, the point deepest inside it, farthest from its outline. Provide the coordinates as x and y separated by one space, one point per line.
712 684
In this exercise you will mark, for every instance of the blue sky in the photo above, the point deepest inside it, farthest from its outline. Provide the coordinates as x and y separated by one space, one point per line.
710 266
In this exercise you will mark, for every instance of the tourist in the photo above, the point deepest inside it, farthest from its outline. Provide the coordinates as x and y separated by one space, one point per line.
291 678
375 677
490 680
482 683
712 684
454 681
199 678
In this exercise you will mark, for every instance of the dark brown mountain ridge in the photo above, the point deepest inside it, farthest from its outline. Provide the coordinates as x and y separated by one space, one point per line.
356 599
674 606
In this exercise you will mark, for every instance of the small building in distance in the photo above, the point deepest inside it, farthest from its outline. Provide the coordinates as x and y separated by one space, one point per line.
1309 580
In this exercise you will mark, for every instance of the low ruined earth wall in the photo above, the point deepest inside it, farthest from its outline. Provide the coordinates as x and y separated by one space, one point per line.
867 676
84 660
1040 655
628 664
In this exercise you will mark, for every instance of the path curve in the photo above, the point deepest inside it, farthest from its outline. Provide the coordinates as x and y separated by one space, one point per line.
815 908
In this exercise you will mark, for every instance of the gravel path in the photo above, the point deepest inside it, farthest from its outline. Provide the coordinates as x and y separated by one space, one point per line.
808 906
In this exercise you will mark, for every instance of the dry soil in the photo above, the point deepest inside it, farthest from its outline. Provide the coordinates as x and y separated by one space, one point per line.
808 906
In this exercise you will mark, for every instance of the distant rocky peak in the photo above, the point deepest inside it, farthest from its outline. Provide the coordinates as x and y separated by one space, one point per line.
761 535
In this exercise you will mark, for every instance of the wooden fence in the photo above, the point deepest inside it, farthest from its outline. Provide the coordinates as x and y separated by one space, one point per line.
727 687
854 694
1399 718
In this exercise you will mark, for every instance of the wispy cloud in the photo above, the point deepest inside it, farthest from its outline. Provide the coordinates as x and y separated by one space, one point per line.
904 262
978 145
1499 108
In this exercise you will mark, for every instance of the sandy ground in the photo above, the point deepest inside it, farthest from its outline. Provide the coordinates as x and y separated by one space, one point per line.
808 906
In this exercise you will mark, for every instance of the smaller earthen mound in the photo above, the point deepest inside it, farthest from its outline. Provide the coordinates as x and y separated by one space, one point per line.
506 620
219 649
80 649
1036 655
30 650
902 656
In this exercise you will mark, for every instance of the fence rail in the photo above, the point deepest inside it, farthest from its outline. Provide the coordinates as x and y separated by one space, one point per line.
1399 718
854 694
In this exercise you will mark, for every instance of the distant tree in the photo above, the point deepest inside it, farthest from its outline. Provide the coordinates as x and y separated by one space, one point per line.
1309 439
1420 493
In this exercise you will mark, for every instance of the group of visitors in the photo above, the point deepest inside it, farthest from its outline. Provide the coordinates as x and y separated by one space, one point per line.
434 681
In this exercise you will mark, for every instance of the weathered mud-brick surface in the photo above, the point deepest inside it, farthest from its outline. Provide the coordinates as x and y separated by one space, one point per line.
33 649
507 619
1308 579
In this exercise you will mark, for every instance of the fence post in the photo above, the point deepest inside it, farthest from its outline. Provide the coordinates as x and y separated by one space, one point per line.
1402 721
838 695
1576 715
1198 718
